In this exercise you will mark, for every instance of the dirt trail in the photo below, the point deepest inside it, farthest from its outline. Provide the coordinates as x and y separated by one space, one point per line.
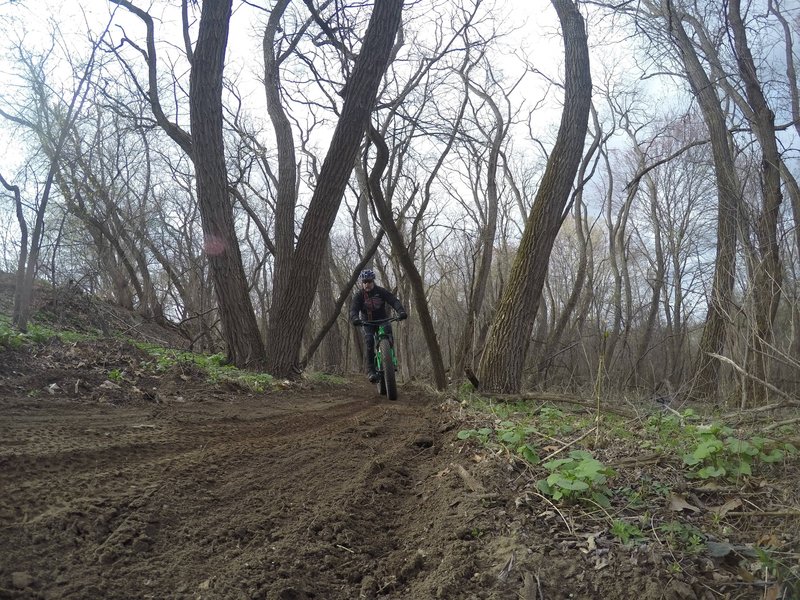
293 495
168 485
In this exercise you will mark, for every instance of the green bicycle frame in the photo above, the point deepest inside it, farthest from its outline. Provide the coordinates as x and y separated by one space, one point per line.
380 334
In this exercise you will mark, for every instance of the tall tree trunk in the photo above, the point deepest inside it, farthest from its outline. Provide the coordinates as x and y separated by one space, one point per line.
504 356
406 260
712 340
769 273
286 194
292 301
488 232
656 287
333 342
239 326
23 248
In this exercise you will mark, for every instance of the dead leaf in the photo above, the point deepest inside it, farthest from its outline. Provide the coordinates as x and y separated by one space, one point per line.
109 385
53 388
772 593
591 541
768 540
723 510
601 563
711 486
678 503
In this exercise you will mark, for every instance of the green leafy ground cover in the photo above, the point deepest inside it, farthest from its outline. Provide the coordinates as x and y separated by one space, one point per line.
687 485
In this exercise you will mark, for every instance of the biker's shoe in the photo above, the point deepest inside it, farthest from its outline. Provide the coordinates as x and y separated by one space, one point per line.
374 377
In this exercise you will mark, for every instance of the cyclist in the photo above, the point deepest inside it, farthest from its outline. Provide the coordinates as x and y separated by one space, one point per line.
369 304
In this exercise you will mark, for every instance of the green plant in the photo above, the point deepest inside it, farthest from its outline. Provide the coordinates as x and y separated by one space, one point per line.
39 335
684 535
783 567
213 366
514 436
10 338
481 434
675 568
115 375
720 455
326 378
576 477
627 533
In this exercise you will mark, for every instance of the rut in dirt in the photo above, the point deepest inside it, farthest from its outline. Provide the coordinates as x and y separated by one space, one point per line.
292 496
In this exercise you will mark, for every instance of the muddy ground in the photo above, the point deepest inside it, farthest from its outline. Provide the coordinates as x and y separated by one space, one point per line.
170 486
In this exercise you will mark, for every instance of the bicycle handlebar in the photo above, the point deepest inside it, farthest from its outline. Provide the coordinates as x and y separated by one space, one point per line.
379 322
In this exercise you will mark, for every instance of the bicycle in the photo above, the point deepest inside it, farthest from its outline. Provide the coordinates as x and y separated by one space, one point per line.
385 357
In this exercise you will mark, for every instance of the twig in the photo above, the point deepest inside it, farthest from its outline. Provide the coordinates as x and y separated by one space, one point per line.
766 513
560 514
345 548
572 443
790 401
471 482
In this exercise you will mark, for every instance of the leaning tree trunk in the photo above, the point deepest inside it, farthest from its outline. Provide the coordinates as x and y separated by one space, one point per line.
488 231
769 273
406 260
239 325
286 192
712 340
507 346
292 301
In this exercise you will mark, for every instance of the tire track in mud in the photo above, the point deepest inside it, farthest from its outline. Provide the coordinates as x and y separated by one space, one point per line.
312 498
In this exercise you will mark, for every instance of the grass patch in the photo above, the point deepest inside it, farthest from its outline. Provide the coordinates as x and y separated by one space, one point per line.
212 366
326 378
11 339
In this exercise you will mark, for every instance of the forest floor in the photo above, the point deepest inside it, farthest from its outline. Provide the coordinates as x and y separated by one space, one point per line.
132 473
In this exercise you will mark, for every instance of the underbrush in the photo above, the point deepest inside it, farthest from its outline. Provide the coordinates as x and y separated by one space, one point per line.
11 339
697 490
212 368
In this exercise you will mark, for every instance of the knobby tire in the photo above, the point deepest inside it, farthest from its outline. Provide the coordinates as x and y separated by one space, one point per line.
388 369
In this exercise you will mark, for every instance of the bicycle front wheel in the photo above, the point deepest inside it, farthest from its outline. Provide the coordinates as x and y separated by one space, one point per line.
388 370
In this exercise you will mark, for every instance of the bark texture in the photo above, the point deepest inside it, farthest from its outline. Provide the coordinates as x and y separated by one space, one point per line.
239 326
506 348
292 301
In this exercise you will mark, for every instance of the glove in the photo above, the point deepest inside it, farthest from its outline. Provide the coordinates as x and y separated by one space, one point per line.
356 322
402 315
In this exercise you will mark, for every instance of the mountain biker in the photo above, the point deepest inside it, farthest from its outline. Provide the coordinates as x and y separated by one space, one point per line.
369 304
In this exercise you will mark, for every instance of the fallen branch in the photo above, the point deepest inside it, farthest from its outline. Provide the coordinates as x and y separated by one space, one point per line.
774 426
471 482
650 459
572 443
766 513
789 400
563 398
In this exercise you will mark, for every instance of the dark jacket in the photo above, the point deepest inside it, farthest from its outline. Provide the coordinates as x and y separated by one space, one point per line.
371 306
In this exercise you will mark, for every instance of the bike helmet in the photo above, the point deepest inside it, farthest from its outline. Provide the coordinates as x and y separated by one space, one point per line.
367 275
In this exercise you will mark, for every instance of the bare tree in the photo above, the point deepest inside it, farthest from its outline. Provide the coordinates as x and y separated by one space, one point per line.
206 149
51 125
292 302
507 346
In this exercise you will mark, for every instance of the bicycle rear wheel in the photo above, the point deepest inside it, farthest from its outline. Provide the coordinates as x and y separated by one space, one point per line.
388 369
